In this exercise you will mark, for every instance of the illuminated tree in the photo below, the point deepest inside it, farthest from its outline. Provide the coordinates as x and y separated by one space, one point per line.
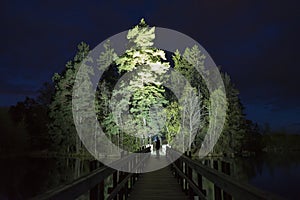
196 97
172 121
148 66
61 126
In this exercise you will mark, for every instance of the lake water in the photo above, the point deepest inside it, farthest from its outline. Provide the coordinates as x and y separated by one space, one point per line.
26 177
279 174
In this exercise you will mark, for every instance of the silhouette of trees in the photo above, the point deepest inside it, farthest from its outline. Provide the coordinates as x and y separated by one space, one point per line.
14 136
32 115
234 131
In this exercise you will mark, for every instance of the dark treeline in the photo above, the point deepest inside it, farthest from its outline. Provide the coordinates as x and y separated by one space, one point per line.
25 127
280 141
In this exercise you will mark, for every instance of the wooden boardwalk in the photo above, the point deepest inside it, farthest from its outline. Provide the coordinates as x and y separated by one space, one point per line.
159 184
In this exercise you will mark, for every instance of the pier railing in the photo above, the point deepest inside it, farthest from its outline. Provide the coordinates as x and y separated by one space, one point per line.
190 174
93 183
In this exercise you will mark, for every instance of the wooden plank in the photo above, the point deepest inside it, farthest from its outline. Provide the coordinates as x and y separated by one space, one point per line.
124 180
158 184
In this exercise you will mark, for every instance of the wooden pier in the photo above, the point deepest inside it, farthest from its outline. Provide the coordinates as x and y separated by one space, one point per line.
182 179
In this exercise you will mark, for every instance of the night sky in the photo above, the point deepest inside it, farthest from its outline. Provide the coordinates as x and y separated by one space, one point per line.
255 41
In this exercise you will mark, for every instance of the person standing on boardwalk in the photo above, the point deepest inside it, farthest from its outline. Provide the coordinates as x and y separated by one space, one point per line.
157 146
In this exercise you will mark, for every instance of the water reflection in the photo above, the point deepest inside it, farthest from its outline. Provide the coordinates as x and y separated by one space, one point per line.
22 178
278 173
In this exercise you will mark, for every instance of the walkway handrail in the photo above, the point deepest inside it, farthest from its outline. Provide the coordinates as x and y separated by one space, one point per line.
184 167
94 181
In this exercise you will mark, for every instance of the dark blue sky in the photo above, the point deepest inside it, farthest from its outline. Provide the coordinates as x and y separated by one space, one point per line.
255 41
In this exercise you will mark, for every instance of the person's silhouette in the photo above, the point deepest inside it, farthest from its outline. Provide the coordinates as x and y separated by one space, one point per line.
157 147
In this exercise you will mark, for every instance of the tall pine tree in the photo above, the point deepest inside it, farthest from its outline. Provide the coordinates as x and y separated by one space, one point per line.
148 65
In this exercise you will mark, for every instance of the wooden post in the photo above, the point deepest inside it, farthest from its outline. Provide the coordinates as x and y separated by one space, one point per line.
174 170
180 178
217 190
101 190
185 172
190 175
121 175
226 170
121 192
95 191
206 162
127 182
115 182
126 189
226 167
200 184
130 179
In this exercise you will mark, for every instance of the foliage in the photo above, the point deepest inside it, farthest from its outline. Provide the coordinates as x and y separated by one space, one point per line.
14 136
253 140
191 115
281 141
231 139
61 126
172 121
148 67
33 116
153 109
189 64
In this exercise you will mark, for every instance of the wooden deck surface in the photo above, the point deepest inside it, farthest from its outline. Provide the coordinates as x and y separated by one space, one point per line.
159 184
